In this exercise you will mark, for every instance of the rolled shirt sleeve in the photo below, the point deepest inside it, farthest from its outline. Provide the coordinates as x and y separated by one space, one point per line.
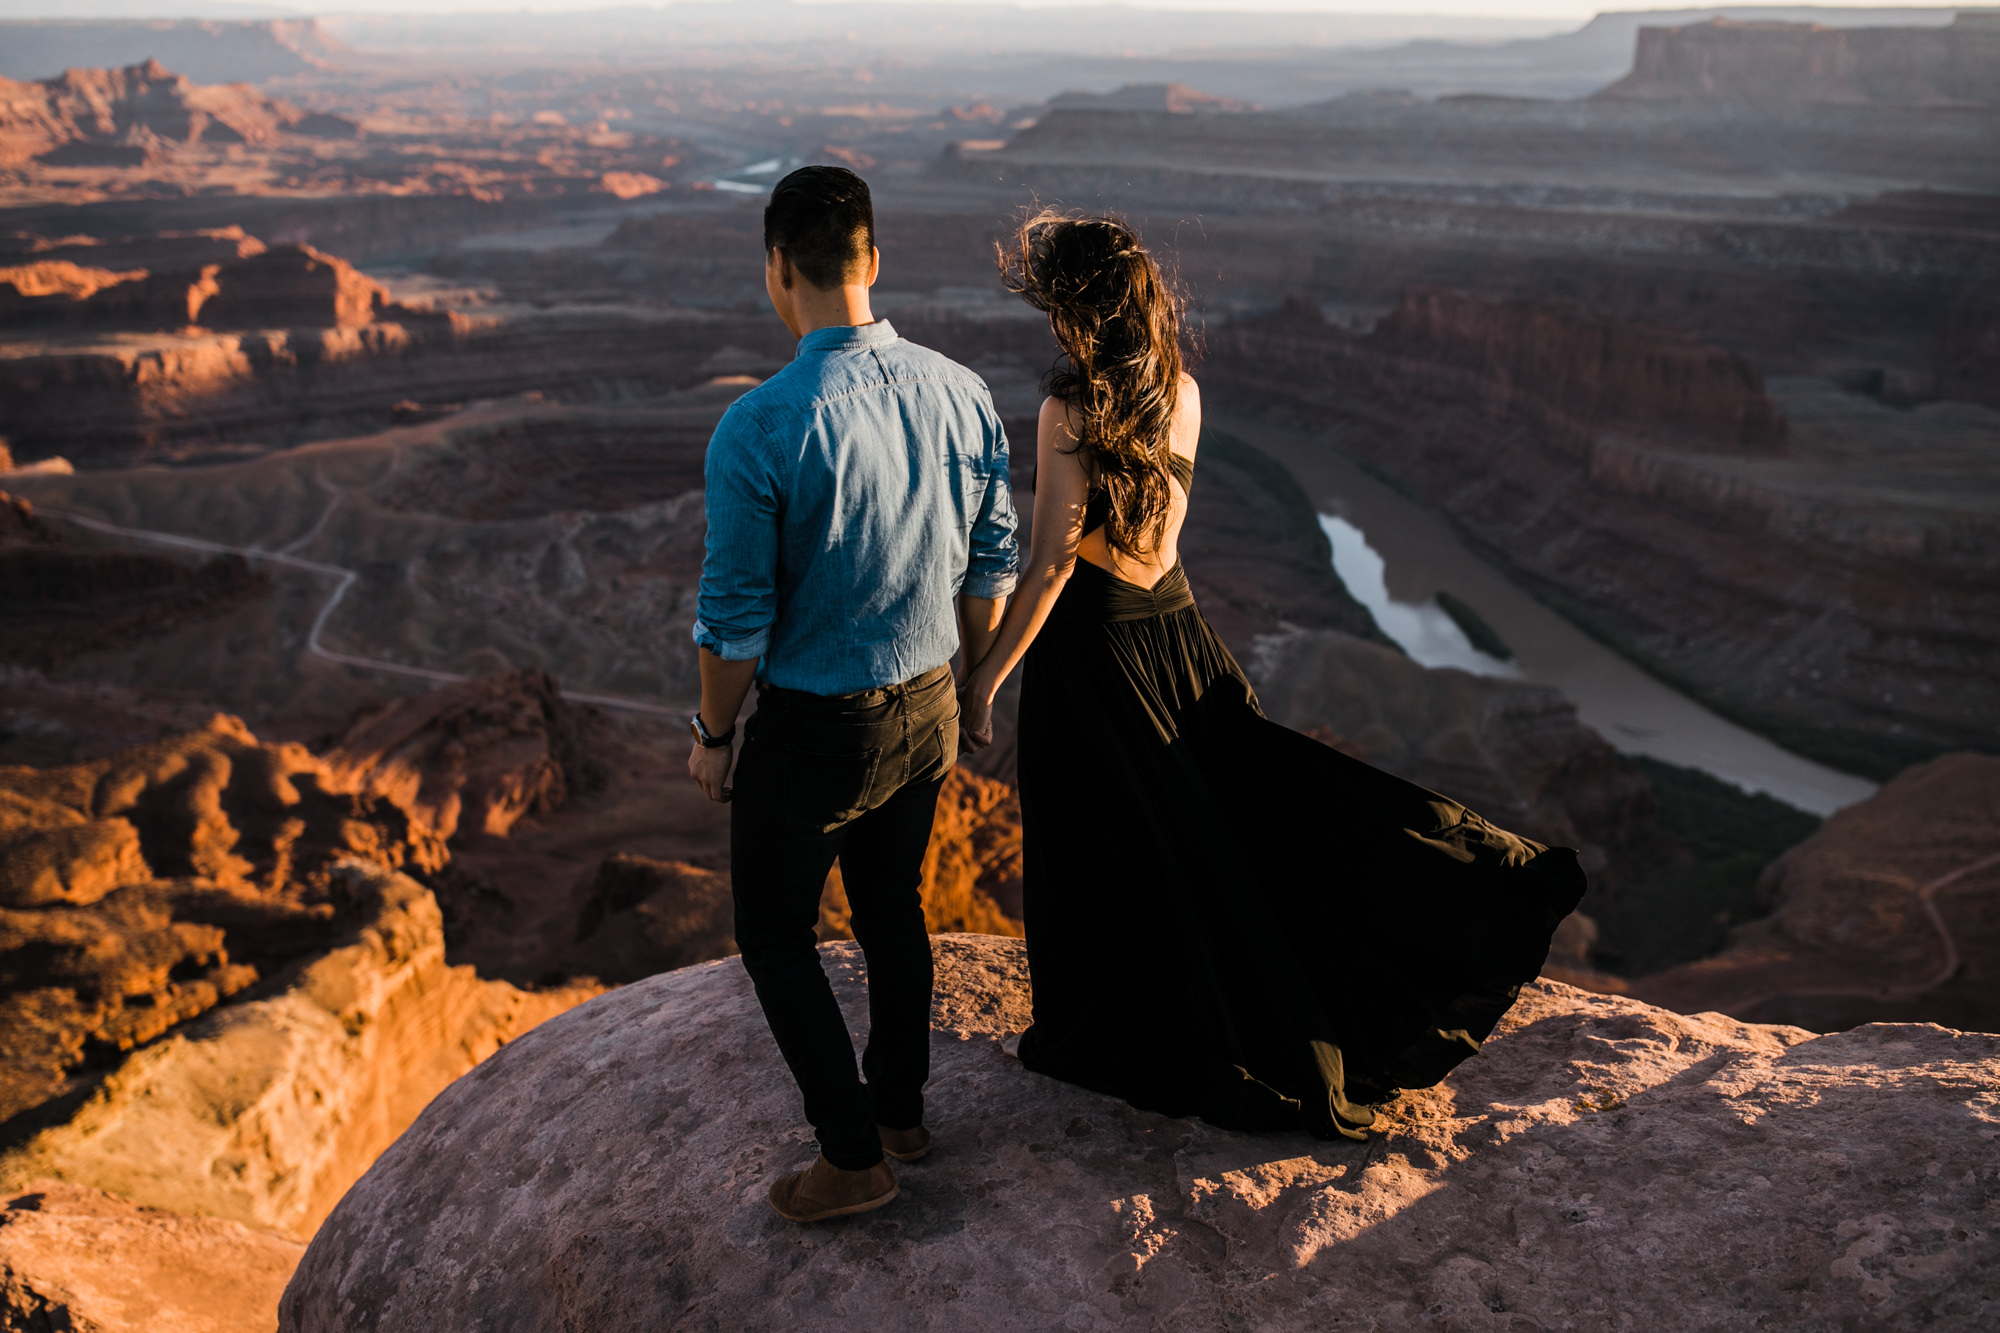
738 603
993 560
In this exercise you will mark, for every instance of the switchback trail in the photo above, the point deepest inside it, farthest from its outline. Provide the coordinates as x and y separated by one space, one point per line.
344 578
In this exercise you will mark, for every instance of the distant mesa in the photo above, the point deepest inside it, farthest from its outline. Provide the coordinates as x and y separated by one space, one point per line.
1177 98
206 51
142 113
1855 109
1766 64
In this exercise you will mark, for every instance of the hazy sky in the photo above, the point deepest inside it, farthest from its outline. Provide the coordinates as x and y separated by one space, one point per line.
1579 9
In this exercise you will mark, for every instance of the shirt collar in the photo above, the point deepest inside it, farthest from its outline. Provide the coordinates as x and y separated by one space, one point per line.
842 337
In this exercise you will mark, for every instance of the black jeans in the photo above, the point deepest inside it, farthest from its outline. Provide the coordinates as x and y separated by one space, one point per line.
854 777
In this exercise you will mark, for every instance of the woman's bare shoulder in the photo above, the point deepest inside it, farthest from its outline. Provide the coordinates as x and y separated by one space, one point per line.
1061 416
1187 417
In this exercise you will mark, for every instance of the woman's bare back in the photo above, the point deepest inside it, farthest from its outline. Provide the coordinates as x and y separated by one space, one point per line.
1058 431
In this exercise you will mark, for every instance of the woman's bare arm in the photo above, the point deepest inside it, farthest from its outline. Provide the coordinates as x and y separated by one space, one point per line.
1062 490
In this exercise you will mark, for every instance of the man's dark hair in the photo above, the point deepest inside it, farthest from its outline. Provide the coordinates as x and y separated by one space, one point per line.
824 221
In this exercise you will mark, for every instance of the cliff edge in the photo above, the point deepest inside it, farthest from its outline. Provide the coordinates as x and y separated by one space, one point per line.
1603 1163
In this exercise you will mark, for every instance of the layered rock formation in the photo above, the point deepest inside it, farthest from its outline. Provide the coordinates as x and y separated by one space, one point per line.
142 891
286 344
131 116
1801 591
1602 1162
1470 140
1577 371
1890 911
265 1111
143 131
477 757
1174 98
220 1000
1790 64
259 287
209 50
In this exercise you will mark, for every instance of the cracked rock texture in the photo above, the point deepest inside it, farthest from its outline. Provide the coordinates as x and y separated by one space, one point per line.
1602 1165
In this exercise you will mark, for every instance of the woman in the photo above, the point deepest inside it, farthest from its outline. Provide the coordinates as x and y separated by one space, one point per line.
1225 918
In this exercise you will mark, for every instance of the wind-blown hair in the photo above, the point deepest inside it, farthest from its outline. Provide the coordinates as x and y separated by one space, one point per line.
1118 324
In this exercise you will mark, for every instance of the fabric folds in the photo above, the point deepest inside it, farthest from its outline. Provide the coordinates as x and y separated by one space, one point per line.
1228 919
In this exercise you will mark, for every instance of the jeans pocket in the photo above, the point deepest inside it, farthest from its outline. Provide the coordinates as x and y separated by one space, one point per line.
932 756
823 789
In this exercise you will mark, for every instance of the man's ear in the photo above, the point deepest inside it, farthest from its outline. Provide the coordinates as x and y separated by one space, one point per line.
782 266
874 266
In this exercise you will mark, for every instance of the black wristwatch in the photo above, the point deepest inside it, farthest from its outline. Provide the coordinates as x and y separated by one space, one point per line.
707 740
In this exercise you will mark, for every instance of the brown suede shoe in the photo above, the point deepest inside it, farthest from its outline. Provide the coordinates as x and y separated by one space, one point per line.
905 1145
823 1190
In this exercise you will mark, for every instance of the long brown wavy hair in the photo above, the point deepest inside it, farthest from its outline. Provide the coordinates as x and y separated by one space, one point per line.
1117 321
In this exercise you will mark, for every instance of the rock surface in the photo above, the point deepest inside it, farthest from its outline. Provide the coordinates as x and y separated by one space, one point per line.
1602 1164
79 1259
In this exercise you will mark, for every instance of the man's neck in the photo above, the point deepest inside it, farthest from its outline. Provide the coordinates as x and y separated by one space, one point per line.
813 308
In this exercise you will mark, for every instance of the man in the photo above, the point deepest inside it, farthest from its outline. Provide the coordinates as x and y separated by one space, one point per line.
852 498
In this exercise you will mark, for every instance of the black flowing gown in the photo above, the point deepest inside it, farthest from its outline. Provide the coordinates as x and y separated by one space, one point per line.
1228 919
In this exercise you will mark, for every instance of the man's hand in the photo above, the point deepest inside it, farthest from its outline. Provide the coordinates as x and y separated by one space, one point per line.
709 767
723 687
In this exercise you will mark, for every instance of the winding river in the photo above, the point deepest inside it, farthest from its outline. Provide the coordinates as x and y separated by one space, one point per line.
1395 556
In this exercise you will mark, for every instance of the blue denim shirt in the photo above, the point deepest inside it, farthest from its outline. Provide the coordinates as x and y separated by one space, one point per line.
851 497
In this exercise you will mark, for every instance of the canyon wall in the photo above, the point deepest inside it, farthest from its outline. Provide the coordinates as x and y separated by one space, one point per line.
1576 371
143 890
1763 570
265 1112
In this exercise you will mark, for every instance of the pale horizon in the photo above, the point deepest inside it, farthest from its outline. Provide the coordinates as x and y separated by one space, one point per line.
1526 10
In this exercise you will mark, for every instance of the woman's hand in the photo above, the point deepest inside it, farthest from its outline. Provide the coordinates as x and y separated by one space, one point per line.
975 715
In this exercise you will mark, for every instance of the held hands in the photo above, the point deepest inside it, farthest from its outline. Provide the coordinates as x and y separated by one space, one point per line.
709 767
975 716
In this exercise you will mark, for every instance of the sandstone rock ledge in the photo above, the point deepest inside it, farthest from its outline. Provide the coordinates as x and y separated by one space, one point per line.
1603 1165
